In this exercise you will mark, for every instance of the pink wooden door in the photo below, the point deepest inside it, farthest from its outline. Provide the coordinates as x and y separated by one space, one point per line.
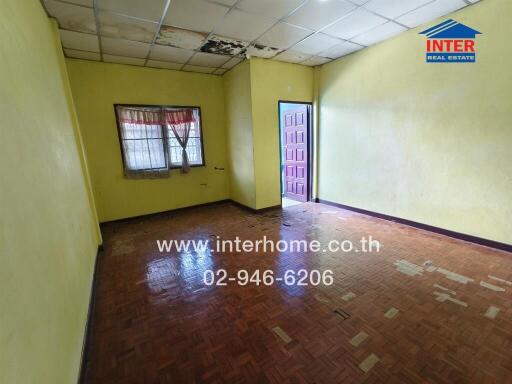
295 153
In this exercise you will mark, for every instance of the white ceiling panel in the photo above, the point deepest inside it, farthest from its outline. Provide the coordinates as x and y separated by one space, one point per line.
276 9
114 25
341 50
430 12
73 17
242 25
357 22
232 62
120 47
78 40
380 33
196 15
163 64
123 60
316 60
316 14
147 9
172 54
219 71
283 35
82 54
202 59
195 68
394 8
359 2
315 43
292 56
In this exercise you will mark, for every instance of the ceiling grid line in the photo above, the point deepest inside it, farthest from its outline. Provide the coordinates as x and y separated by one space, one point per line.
308 32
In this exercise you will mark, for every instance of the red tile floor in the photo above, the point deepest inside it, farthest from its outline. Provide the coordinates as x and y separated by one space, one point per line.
157 322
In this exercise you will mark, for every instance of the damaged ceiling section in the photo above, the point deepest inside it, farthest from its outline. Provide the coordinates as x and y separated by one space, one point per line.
180 38
214 44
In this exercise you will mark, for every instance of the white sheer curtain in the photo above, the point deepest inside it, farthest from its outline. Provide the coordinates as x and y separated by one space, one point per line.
144 149
180 121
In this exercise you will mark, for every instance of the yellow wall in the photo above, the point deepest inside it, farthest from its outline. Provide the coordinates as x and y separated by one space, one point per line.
272 81
237 88
426 142
97 87
48 232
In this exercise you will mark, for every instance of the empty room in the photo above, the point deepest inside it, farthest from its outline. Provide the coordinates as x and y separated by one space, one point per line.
255 191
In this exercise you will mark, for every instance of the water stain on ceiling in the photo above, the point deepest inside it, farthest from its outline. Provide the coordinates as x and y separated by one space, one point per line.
224 46
180 38
259 50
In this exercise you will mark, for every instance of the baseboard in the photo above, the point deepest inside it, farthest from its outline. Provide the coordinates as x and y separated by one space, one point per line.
254 210
86 346
147 215
426 227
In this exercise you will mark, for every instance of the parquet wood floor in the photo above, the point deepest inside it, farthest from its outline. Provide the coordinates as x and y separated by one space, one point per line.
157 322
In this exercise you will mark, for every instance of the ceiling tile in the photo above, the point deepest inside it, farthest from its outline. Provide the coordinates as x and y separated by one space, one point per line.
195 68
78 40
263 51
122 60
430 12
181 38
394 8
147 9
120 47
244 26
283 35
114 25
292 56
219 71
202 59
357 22
163 64
341 50
224 45
315 43
380 33
232 62
359 2
316 60
172 54
270 8
72 17
316 14
197 15
82 54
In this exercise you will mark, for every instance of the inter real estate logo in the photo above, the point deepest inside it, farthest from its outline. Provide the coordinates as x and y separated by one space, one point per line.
451 42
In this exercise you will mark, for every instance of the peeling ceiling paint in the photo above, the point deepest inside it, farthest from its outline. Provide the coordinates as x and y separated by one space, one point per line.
224 46
262 51
180 38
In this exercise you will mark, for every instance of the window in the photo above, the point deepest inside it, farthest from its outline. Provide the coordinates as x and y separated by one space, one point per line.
152 139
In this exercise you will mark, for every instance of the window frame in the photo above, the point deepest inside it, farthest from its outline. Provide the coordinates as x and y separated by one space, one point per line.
164 135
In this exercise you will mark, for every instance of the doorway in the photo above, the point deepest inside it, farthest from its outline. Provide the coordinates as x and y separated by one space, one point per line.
295 149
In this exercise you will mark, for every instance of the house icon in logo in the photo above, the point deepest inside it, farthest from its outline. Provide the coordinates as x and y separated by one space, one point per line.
451 42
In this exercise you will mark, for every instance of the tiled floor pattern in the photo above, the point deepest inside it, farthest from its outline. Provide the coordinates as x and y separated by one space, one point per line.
157 322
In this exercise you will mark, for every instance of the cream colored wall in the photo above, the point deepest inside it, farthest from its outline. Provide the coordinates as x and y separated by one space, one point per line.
97 87
272 81
237 88
48 232
425 142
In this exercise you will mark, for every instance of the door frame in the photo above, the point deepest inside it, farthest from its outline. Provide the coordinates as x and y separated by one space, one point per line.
309 138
